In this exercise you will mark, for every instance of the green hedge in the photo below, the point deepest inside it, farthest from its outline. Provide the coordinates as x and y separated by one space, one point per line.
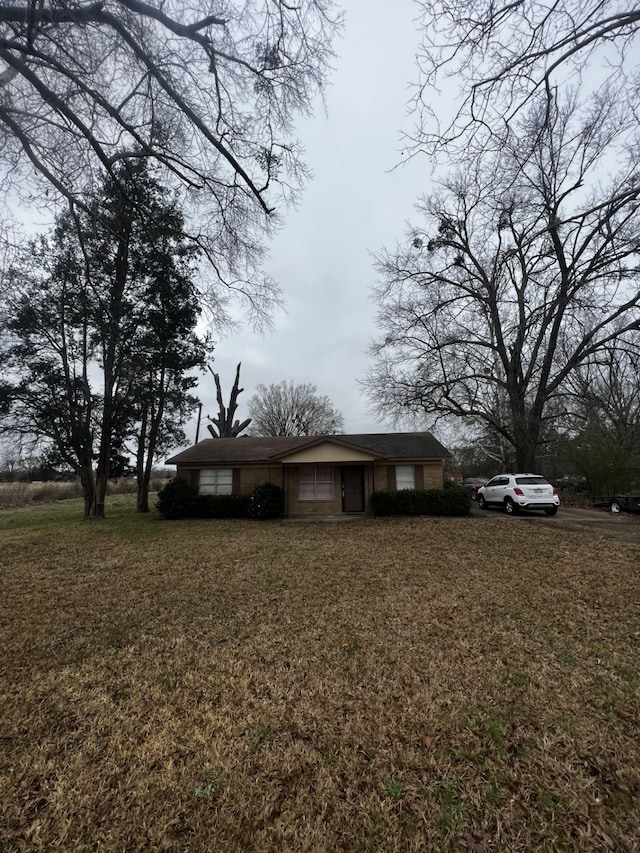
178 500
450 501
221 506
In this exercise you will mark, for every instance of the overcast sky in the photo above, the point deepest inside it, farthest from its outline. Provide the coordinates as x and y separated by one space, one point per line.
355 204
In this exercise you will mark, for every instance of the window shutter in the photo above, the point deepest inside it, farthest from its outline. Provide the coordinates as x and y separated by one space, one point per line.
391 478
419 469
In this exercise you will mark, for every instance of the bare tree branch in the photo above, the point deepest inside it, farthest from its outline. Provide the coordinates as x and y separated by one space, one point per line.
503 56
211 98
523 269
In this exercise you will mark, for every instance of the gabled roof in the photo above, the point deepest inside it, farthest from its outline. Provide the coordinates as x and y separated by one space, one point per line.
273 449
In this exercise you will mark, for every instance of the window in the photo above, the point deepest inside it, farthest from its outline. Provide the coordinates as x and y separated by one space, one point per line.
315 483
216 481
531 481
405 477
498 481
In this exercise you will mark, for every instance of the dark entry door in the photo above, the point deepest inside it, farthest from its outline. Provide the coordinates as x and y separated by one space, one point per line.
353 489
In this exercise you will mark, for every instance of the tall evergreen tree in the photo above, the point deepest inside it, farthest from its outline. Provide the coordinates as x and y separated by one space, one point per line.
112 309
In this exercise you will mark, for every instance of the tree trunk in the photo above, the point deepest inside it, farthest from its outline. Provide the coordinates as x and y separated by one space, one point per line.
102 480
110 359
143 493
526 461
526 445
226 426
142 481
87 481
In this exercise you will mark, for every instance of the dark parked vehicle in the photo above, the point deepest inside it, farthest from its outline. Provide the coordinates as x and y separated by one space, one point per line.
572 483
474 483
619 503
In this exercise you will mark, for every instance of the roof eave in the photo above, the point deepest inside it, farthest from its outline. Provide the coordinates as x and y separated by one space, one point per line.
316 440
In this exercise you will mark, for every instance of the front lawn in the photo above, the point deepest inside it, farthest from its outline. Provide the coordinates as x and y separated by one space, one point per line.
380 685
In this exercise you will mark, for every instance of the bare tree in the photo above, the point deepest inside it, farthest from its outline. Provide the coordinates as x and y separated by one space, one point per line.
224 423
603 426
210 97
607 390
288 409
499 56
524 268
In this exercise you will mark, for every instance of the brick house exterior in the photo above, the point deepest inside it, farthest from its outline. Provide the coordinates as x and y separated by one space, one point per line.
321 475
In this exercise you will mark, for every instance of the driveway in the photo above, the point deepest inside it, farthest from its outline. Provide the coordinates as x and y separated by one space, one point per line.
606 525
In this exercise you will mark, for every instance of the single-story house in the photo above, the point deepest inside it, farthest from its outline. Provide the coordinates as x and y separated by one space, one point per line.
321 475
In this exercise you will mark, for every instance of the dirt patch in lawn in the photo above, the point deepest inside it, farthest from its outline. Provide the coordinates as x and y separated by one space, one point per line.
374 686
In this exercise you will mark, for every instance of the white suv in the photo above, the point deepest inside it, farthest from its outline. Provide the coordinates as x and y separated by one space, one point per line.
514 492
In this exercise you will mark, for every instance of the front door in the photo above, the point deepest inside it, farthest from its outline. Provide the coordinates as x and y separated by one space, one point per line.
353 488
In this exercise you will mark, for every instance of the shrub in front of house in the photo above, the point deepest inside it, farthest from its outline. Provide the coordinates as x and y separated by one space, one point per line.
445 502
178 500
267 501
221 506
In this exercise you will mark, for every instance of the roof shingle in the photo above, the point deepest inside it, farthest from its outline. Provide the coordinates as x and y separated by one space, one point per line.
248 450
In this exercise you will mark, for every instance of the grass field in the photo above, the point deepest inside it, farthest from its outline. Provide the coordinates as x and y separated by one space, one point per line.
460 684
18 493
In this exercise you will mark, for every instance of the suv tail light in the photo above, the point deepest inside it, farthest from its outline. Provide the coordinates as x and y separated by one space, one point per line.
555 491
518 491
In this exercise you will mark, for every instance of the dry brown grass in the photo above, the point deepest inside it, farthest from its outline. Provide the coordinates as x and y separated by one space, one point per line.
22 494
17 494
375 686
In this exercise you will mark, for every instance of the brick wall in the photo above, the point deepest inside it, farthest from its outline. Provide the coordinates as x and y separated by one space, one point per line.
433 474
252 477
428 476
312 508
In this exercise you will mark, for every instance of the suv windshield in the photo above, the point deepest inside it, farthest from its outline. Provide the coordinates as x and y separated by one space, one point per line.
531 481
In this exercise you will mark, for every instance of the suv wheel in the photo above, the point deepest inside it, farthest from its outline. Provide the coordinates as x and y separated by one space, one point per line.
615 506
481 502
551 511
509 507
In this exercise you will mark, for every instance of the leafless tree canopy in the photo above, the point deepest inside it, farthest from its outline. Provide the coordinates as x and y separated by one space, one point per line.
603 434
206 89
498 55
288 409
522 268
605 392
